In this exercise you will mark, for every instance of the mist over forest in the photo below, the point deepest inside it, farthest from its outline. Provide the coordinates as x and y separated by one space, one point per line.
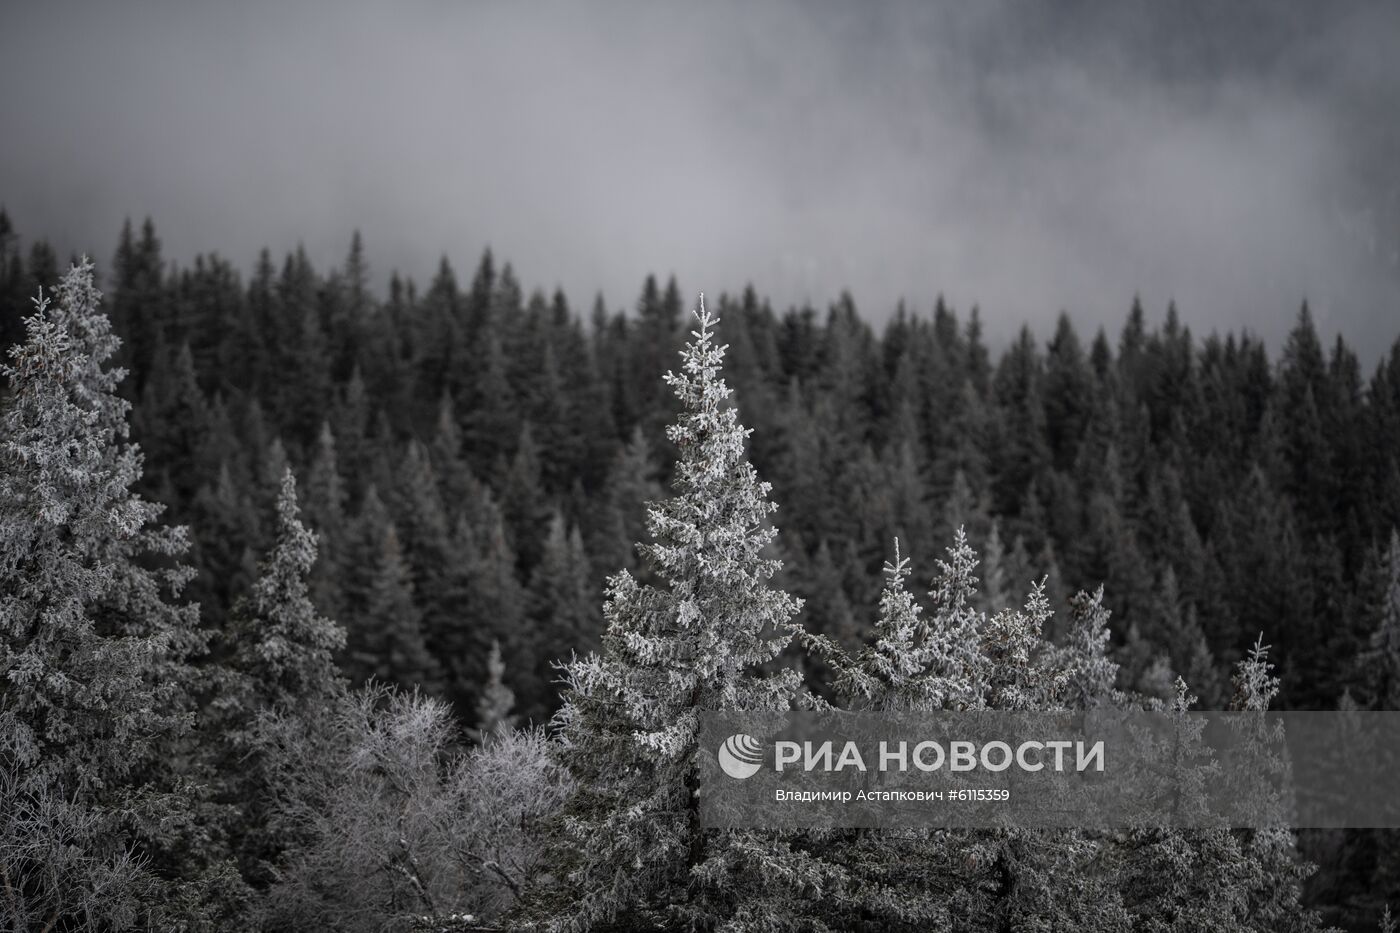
1236 159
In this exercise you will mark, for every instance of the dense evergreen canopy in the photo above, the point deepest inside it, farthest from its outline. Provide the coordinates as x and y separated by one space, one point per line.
474 460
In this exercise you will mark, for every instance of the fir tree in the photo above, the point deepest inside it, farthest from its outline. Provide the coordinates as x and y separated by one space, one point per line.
326 498
396 651
95 684
384 625
282 662
899 879
422 522
326 494
281 642
826 606
499 609
494 715
1380 662
1089 673
631 479
225 523
524 501
634 851
564 606
1274 883
481 602
995 569
916 664
1180 880
960 670
79 603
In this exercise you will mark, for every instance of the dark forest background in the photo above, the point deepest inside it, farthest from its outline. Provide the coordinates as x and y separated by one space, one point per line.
473 455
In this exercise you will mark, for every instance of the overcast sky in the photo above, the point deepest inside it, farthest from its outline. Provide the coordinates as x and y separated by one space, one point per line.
1025 157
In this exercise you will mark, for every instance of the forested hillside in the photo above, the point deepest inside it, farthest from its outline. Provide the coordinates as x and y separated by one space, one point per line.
473 458
474 453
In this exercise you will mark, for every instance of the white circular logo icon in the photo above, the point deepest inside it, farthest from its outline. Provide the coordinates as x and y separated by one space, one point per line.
741 756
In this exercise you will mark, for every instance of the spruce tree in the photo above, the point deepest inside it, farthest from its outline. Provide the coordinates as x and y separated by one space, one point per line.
325 502
422 523
396 651
956 659
995 571
564 605
325 488
481 602
1380 661
632 851
225 525
1183 880
282 662
1089 673
631 480
1274 885
95 683
1044 879
494 710
281 643
524 499
916 664
74 537
499 607
826 606
384 626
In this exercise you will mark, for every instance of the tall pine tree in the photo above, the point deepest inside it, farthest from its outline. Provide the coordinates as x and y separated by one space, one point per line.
633 852
95 649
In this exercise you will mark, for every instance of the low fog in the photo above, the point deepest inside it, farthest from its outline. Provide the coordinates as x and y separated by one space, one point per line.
1234 158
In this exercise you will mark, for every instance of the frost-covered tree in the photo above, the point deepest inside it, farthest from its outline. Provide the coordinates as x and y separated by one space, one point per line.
904 879
915 663
1038 879
632 850
1089 672
391 824
62 866
1180 880
85 625
281 659
1141 879
1021 674
281 643
956 659
1049 879
1214 878
960 670
95 684
1274 884
495 708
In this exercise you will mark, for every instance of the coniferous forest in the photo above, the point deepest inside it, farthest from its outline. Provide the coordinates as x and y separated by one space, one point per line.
326 607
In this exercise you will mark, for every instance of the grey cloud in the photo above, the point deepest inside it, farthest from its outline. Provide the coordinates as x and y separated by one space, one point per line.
1235 158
